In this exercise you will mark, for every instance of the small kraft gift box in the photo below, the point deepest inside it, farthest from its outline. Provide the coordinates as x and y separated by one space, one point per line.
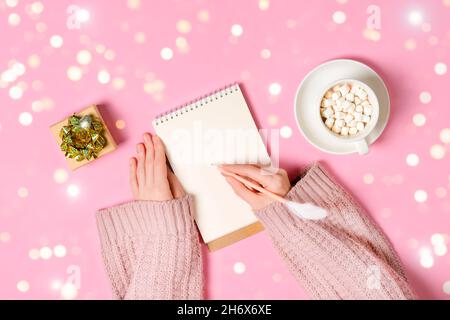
83 137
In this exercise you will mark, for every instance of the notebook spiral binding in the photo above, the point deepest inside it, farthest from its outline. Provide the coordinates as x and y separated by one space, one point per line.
195 104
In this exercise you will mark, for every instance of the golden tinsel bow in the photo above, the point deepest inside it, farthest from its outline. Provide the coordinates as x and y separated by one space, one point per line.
82 137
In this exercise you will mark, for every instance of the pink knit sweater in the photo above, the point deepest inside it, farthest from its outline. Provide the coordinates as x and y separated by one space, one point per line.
152 251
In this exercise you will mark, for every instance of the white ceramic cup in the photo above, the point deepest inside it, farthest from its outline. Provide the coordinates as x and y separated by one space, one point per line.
359 139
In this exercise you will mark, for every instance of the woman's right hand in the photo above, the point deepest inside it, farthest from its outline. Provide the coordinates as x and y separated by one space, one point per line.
276 182
150 178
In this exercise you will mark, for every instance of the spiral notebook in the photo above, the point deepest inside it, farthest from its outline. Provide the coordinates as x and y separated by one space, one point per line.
212 130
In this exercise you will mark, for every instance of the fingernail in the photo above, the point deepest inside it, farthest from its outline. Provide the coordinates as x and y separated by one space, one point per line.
146 137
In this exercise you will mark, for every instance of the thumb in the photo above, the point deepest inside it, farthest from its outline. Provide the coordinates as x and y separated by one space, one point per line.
243 192
175 185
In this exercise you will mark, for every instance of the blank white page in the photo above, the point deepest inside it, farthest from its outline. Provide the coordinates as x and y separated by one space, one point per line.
212 130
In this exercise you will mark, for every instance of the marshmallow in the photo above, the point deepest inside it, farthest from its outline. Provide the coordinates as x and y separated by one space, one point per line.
368 110
365 103
358 116
335 88
355 89
359 108
350 97
345 105
344 89
328 94
340 101
329 123
344 131
352 124
353 130
336 107
366 118
339 115
360 126
357 100
339 123
327 102
328 112
336 129
351 109
348 106
336 95
348 118
362 94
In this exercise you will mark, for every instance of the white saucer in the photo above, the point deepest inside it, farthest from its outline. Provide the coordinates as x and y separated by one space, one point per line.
313 86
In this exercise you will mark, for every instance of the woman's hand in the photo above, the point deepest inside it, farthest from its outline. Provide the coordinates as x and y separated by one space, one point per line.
150 178
277 183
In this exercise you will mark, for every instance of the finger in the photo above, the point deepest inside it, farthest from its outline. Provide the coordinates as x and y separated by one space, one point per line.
140 164
133 178
175 185
249 170
243 192
160 166
149 157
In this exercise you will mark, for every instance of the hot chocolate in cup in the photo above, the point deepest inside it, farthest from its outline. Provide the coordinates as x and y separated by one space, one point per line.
348 111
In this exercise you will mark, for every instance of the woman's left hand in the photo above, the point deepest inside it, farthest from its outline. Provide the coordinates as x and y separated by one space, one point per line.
150 178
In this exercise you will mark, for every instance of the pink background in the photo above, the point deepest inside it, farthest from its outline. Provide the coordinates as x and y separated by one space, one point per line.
299 35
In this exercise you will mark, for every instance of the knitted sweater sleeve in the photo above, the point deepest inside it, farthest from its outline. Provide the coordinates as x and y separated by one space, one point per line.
151 250
344 256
